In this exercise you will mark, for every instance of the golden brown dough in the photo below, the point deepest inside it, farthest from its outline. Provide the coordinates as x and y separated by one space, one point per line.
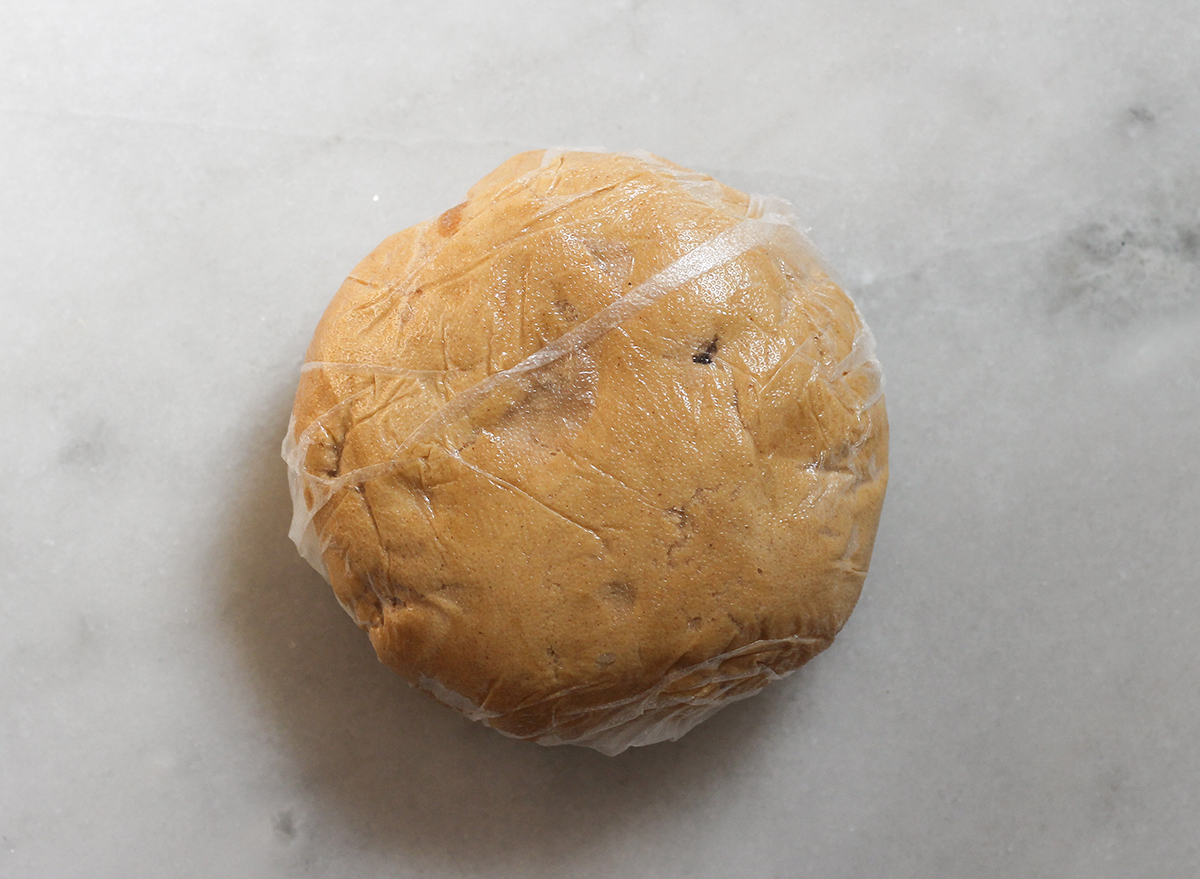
594 452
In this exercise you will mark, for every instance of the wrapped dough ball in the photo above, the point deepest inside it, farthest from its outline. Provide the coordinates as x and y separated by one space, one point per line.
594 453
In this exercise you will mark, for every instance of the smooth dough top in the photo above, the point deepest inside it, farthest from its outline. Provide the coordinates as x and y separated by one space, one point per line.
594 452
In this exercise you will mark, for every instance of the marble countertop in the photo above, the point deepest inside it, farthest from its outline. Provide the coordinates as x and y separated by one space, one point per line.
1011 192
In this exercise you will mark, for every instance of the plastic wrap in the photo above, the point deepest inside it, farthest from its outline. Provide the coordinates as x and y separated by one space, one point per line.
536 408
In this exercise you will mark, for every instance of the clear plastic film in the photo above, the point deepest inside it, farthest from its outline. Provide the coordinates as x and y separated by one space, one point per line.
657 714
565 369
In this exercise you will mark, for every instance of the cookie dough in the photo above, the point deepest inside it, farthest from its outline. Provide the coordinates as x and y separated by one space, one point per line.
593 453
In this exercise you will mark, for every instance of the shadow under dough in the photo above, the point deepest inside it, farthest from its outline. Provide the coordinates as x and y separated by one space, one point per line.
385 767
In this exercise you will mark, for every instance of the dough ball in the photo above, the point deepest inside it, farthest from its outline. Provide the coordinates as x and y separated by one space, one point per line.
595 452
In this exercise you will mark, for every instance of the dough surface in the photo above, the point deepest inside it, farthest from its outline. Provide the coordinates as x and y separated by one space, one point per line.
593 453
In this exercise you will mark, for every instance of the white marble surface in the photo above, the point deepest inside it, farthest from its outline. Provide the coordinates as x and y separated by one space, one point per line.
1011 191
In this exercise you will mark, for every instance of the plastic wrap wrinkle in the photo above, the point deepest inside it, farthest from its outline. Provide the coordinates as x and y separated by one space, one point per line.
632 722
376 369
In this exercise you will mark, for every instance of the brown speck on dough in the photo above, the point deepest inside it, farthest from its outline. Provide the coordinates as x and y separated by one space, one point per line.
448 222
336 465
564 308
621 593
705 355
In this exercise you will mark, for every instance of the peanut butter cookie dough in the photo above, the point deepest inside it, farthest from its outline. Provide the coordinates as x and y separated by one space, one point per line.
594 453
